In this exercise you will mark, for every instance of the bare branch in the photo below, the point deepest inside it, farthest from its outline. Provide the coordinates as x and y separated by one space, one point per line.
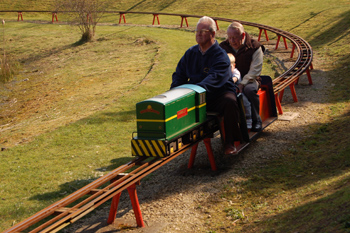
84 13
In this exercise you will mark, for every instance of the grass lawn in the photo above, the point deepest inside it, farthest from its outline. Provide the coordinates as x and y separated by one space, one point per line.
68 115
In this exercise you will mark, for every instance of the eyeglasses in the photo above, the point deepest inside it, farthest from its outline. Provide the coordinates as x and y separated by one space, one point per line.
202 31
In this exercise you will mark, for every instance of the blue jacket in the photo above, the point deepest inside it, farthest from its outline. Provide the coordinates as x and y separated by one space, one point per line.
212 71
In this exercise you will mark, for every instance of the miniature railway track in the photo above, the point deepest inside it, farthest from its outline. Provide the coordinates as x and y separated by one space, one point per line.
75 206
67 211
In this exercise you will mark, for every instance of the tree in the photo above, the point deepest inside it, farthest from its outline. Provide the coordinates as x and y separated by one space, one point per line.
85 14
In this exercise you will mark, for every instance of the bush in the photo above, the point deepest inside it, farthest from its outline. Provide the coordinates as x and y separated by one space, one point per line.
8 69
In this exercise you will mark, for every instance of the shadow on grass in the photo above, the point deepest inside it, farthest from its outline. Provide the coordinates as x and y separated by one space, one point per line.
115 163
304 171
44 55
72 186
69 188
336 33
325 154
159 7
312 15
327 214
115 116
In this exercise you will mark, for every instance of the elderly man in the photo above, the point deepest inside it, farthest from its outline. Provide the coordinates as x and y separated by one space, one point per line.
249 60
208 66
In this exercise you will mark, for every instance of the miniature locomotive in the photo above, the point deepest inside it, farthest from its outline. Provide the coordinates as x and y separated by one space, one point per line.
169 121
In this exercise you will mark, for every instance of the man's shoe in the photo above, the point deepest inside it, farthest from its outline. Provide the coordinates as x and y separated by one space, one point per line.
257 127
230 149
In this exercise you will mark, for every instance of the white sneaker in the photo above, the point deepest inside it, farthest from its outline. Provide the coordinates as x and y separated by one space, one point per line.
249 123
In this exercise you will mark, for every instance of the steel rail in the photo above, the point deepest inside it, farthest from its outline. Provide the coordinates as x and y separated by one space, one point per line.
67 214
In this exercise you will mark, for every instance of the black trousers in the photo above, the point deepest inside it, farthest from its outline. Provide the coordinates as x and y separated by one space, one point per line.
226 105
251 92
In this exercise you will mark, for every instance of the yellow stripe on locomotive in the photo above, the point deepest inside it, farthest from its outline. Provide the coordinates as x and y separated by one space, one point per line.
162 120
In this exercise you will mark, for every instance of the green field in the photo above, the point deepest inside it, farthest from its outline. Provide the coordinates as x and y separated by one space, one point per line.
67 116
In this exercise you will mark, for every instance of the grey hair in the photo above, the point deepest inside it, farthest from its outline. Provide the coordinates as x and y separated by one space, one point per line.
212 24
236 26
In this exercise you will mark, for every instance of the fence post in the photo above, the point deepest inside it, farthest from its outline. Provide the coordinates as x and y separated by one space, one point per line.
54 16
20 16
121 15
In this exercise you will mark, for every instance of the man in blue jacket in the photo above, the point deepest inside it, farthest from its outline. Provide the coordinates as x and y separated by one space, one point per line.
207 65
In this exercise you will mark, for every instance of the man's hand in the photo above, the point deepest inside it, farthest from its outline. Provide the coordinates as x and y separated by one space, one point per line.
240 88
258 79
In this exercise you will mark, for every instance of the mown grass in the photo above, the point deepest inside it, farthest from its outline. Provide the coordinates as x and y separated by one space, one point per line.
68 116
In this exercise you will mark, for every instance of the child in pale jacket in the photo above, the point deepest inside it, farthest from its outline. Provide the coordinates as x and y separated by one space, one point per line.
236 77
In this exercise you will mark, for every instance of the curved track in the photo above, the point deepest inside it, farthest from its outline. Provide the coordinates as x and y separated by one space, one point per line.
86 199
